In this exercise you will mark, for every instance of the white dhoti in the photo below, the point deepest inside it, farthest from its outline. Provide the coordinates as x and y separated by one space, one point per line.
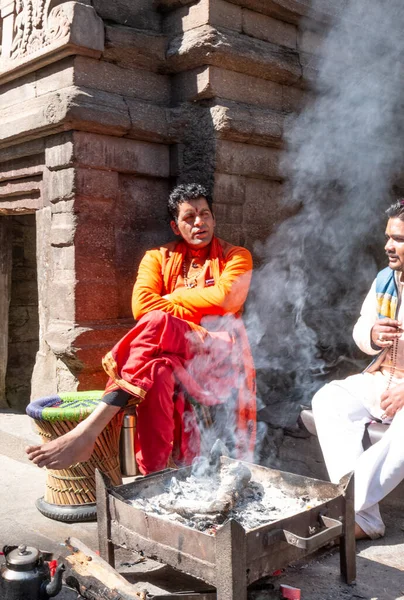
341 410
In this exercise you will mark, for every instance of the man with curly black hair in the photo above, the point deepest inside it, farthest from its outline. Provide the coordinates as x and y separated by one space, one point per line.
188 351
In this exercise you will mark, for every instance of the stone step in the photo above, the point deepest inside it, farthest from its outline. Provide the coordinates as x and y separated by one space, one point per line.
237 52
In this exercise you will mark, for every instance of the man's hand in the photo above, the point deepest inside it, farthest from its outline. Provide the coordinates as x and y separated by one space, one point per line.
392 400
384 331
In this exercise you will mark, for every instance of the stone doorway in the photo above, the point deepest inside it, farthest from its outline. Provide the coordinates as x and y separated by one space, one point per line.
19 317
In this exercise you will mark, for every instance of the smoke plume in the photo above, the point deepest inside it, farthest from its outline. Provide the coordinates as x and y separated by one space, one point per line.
343 162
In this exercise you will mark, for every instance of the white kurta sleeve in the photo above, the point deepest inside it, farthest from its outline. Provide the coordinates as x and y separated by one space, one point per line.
363 326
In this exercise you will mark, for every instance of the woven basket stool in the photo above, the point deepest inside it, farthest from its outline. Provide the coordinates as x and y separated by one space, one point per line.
70 493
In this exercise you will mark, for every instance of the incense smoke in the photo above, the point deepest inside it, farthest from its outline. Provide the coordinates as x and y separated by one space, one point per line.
342 164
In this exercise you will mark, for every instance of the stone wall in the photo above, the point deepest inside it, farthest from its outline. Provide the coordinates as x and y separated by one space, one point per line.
23 311
105 105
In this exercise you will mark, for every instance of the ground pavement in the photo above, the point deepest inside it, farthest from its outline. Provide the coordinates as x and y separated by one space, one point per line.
380 564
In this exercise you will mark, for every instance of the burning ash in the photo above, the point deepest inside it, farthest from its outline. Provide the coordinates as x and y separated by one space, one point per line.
214 493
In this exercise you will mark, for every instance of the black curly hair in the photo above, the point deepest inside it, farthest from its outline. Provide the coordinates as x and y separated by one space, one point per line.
182 193
396 210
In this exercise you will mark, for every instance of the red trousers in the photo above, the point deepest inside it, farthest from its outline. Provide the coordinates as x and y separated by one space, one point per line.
165 358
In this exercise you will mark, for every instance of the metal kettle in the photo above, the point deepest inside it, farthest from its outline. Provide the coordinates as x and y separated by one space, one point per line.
26 575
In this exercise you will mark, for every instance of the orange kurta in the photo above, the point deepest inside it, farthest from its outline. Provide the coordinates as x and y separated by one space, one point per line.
212 309
160 271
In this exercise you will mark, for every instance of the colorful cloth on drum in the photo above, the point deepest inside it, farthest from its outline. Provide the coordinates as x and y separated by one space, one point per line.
66 406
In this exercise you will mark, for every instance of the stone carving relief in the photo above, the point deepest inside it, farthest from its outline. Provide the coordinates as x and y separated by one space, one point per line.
34 33
37 24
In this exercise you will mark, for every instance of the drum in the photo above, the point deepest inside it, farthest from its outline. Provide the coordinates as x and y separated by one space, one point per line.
70 493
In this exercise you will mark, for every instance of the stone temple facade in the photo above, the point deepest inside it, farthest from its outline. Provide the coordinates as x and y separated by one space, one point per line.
104 105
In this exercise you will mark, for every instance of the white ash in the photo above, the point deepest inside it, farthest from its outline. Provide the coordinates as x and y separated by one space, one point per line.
193 501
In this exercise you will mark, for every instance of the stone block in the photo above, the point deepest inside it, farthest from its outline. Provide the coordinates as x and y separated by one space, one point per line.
268 29
294 99
21 205
253 235
193 85
62 291
61 335
44 375
218 13
62 207
262 198
59 151
141 202
18 168
28 148
79 108
95 262
184 18
15 92
63 258
60 185
225 14
248 160
100 111
140 14
96 300
21 187
230 233
92 344
123 155
91 380
310 41
94 240
73 29
87 29
292 11
229 189
248 124
63 229
228 213
94 184
241 53
133 48
136 83
149 122
211 82
55 76
66 376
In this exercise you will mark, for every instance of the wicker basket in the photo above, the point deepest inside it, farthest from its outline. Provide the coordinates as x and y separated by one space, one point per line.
55 416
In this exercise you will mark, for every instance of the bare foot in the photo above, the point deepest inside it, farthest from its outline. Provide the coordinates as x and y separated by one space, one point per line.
360 534
75 446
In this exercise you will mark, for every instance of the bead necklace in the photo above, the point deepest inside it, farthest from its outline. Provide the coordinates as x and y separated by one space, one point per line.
190 282
393 361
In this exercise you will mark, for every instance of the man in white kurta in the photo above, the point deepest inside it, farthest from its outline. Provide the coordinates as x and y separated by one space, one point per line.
342 409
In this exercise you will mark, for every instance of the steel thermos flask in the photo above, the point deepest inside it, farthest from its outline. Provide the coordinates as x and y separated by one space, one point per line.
127 446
